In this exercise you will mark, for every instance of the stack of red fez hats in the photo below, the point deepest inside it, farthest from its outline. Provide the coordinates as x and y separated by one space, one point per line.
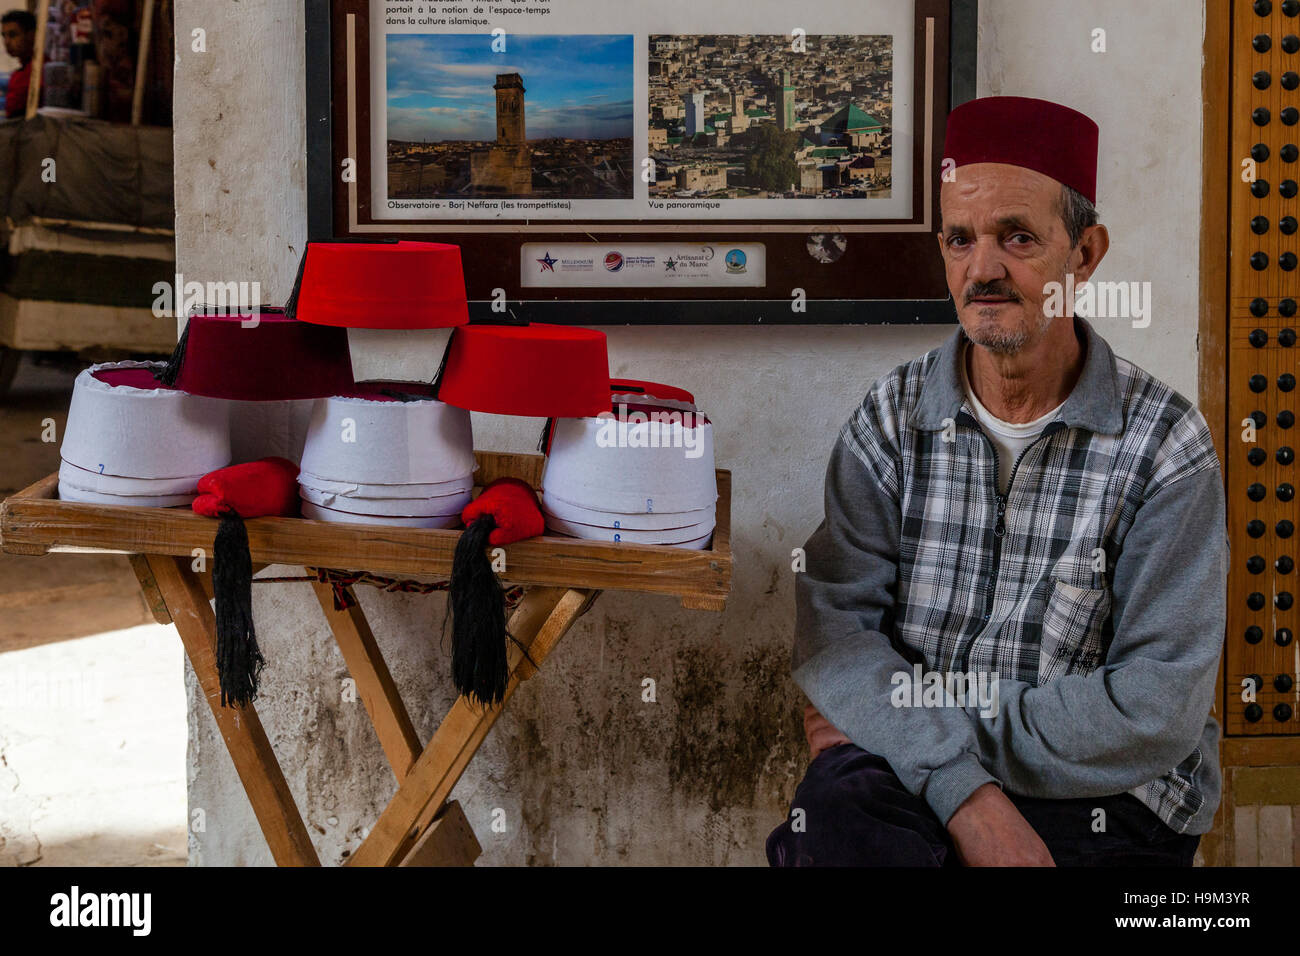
505 369
301 352
534 370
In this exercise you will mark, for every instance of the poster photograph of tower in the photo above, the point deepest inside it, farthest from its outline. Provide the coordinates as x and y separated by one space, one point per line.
771 117
467 122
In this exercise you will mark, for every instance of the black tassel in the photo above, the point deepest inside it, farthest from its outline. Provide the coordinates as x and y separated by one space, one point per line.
442 365
168 373
479 667
291 303
239 660
544 440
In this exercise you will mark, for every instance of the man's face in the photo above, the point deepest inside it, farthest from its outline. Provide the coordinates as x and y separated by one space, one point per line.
18 42
1003 240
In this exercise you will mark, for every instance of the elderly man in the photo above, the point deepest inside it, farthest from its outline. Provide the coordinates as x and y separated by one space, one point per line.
18 28
1026 510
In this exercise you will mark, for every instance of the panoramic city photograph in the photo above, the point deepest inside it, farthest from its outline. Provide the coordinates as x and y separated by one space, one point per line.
765 117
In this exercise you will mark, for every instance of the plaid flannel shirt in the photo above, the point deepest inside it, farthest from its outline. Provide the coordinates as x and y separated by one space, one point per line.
1095 590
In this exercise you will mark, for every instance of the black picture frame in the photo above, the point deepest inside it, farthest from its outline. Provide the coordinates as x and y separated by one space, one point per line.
649 310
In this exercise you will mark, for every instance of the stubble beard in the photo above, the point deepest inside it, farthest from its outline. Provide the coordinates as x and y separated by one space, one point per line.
1001 341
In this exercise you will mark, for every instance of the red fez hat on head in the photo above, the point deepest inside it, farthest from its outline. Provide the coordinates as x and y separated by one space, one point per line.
538 370
1019 131
272 358
382 285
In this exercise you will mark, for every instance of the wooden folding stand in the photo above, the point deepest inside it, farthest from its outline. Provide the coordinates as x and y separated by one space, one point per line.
419 827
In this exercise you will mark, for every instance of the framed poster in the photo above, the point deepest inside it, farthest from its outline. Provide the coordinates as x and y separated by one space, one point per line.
667 163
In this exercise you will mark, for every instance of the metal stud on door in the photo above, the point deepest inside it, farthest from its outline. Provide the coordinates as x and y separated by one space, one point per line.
1260 663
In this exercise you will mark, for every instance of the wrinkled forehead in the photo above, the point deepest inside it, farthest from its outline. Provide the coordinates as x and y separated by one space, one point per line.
987 192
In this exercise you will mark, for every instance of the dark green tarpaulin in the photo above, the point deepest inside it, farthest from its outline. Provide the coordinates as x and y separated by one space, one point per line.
103 172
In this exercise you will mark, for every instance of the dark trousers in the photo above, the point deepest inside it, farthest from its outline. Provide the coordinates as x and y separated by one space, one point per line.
852 810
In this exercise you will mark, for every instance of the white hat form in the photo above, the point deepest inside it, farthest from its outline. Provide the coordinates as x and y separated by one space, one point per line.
631 467
355 489
407 463
654 521
673 536
451 504
145 447
359 440
320 513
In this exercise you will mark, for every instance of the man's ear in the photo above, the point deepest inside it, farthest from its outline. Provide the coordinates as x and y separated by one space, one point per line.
1087 256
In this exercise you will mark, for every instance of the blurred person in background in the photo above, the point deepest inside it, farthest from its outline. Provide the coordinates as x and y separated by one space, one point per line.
19 30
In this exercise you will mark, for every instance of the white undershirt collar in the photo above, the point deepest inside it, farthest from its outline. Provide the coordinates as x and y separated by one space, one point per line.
1010 429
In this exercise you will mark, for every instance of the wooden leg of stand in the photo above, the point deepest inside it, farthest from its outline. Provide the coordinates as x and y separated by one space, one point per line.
149 588
240 727
374 681
448 841
542 618
528 620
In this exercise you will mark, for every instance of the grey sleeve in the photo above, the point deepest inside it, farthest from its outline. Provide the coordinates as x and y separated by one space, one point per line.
844 659
1143 711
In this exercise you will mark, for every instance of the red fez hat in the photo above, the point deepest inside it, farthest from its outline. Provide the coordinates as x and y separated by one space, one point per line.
539 370
382 285
274 358
1037 134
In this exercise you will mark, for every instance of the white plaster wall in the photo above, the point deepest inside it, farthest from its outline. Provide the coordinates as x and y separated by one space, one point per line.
585 771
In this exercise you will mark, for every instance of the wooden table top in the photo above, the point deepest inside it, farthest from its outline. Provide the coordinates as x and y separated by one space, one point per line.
34 521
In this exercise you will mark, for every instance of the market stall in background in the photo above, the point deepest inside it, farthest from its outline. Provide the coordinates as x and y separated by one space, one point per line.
88 213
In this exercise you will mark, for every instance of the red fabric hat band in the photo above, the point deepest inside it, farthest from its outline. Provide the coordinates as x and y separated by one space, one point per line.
1019 131
383 285
544 371
277 359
